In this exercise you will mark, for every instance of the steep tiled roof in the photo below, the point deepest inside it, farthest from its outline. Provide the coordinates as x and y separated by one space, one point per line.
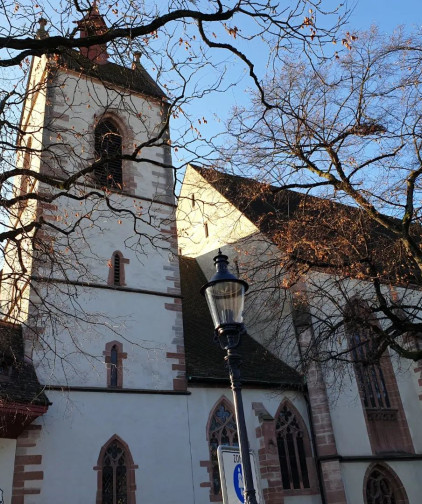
135 80
205 359
319 231
18 382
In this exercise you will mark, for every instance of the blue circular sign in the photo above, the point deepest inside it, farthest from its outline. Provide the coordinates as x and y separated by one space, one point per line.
238 482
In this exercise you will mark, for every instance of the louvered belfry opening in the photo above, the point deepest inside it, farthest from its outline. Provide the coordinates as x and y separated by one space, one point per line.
116 272
108 147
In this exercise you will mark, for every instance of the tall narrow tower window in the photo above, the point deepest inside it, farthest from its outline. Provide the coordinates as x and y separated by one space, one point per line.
113 366
108 150
114 357
116 274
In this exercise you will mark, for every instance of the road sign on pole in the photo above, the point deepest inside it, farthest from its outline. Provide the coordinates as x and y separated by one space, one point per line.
231 476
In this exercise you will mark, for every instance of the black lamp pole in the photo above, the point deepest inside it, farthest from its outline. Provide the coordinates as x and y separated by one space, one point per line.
225 296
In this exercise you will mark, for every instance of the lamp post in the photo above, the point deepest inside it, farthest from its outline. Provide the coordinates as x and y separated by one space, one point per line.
225 296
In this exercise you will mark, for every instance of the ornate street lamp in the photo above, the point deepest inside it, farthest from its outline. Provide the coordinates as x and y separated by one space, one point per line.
225 295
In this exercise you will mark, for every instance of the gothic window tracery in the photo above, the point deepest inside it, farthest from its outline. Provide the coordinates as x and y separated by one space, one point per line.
116 473
221 431
108 145
370 376
293 445
387 425
383 487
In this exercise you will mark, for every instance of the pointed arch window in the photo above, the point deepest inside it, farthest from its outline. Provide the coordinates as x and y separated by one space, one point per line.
221 431
294 449
108 147
383 487
386 422
116 474
370 377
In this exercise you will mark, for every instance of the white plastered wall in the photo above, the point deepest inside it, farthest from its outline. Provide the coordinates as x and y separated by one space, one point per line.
408 472
246 247
201 404
7 463
70 352
32 121
226 224
80 423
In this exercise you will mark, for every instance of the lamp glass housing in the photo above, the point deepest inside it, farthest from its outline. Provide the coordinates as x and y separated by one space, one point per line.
226 301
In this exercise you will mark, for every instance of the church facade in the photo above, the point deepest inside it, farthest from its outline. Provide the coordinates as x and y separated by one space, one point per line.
124 397
363 421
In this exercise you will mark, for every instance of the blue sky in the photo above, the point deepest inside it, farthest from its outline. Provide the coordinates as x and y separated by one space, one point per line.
387 14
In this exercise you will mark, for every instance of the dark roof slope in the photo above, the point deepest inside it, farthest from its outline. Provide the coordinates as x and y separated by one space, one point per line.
260 203
18 380
135 80
320 232
205 359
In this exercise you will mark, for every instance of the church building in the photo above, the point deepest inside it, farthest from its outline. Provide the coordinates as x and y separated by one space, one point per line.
112 389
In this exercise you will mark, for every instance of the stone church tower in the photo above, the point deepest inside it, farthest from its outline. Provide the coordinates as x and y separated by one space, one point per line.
109 392
100 307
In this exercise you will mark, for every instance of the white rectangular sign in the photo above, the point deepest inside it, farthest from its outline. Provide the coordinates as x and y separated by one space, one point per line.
231 476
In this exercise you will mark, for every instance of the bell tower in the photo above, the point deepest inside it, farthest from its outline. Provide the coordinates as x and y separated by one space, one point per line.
99 299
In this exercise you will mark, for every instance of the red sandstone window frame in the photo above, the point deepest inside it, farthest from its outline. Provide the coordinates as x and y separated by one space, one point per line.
386 422
301 454
114 369
391 480
108 142
117 279
212 464
130 470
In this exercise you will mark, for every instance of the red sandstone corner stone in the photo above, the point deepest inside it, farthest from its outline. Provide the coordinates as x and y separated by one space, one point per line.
28 459
27 491
29 475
